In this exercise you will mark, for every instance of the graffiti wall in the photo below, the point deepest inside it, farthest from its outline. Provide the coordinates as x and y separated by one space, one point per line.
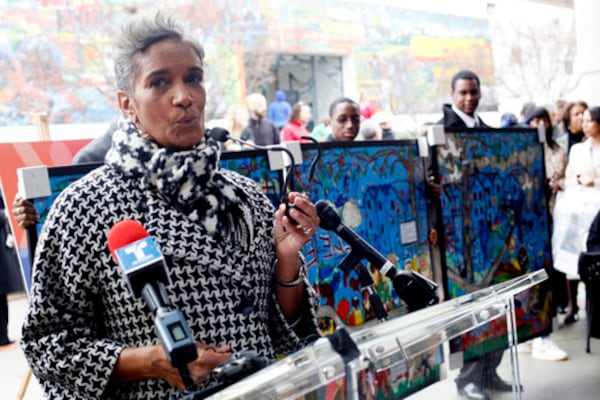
57 59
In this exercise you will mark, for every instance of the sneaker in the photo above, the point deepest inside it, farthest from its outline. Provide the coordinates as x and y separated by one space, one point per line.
546 349
525 347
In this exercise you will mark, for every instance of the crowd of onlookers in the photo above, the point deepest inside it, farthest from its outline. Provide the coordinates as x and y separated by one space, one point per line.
572 141
235 271
265 123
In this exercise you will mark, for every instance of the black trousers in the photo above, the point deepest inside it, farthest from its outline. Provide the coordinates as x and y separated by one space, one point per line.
479 370
3 320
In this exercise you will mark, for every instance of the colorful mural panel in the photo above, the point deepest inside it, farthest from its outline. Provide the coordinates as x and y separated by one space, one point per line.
379 191
495 219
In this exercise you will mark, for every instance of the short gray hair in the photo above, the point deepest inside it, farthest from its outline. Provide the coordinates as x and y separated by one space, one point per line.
137 35
368 129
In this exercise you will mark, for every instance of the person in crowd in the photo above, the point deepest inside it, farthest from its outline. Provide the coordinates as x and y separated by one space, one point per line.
572 123
9 273
480 372
344 114
583 169
234 263
235 121
279 110
555 157
551 107
508 119
260 130
296 127
367 110
465 94
385 118
555 161
525 111
572 127
369 130
557 117
322 129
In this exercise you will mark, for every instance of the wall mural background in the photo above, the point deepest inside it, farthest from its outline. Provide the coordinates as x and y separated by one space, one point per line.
55 56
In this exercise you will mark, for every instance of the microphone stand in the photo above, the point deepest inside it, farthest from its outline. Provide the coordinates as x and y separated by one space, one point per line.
413 288
289 175
222 135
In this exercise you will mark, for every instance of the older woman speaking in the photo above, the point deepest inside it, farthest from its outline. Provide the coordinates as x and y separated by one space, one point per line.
234 264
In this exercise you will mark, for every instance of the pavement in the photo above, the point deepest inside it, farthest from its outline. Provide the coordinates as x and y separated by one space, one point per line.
577 378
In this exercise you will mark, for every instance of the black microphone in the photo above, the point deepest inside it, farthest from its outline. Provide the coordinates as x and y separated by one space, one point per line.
413 288
222 135
143 267
239 366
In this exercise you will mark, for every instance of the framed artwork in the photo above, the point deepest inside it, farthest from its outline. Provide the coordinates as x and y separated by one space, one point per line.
495 221
379 190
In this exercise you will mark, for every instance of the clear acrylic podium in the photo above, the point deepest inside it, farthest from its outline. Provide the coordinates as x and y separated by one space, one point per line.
317 370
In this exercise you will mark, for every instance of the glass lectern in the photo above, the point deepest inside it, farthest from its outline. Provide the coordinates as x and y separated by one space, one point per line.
385 353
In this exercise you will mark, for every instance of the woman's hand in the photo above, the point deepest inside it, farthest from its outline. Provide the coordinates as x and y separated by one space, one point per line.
433 189
554 183
24 212
290 238
151 362
208 358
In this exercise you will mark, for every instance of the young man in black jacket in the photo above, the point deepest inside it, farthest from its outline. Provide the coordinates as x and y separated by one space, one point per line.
480 372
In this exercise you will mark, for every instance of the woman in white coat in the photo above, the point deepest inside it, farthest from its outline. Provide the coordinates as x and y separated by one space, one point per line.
583 169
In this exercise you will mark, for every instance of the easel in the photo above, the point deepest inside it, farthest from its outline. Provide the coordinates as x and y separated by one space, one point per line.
43 131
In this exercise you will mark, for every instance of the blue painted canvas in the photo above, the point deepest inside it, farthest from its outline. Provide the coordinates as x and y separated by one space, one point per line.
495 217
379 191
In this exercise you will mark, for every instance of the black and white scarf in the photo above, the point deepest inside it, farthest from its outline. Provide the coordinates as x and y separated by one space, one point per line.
189 179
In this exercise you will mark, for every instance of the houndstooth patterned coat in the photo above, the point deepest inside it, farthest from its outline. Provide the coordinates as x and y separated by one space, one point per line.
81 314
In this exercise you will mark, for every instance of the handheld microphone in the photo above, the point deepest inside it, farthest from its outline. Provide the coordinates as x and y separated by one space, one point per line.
413 288
222 135
143 267
137 254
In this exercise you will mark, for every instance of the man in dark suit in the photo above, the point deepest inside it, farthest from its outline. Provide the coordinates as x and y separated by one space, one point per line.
466 93
479 373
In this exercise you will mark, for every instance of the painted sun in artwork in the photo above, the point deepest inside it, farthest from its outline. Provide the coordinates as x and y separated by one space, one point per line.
351 214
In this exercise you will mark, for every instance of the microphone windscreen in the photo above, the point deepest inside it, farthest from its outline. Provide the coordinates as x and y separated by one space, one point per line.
329 218
123 233
219 134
